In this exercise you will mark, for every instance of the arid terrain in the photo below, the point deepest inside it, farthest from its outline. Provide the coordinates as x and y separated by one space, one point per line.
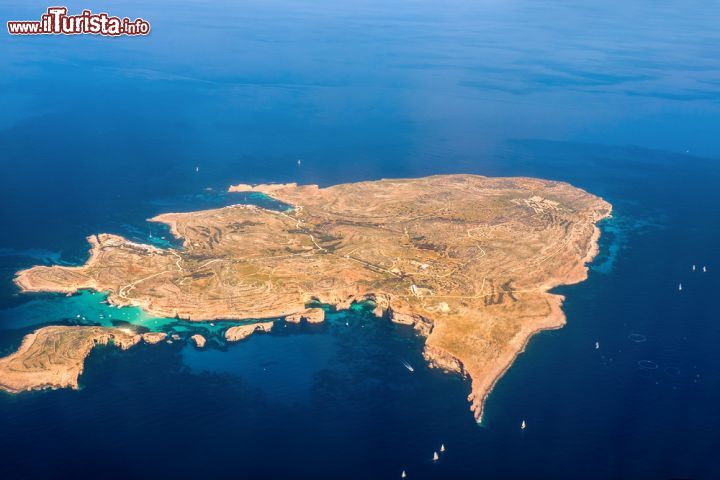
467 260
53 357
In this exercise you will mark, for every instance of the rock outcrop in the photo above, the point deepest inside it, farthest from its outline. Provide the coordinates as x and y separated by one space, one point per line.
310 315
151 338
240 332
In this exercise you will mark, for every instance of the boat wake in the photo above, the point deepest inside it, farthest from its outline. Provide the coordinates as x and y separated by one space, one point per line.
408 366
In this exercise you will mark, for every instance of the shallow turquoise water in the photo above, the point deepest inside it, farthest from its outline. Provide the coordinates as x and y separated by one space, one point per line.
86 307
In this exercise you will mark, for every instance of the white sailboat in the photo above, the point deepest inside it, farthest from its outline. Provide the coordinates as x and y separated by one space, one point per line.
597 345
693 267
680 288
403 474
442 448
436 457
523 425
704 269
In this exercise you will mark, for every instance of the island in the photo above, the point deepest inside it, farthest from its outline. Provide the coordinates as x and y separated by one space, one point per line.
241 332
53 357
151 338
468 261
310 315
198 340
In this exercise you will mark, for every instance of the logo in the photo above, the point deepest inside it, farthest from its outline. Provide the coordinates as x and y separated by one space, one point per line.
57 22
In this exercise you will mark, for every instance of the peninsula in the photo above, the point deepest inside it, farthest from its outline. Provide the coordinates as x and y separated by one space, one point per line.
467 260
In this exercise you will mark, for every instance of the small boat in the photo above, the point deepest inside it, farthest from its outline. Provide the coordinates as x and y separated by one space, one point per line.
408 366
523 425
704 269
693 268
197 169
597 345
680 288
436 457
300 163
442 448
403 474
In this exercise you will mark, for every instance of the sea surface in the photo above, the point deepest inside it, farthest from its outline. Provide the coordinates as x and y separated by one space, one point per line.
619 98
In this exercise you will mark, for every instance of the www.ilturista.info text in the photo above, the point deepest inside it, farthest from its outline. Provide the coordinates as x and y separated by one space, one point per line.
57 22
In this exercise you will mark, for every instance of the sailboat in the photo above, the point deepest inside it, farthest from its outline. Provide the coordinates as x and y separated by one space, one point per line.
597 345
403 474
704 269
680 288
442 448
693 268
197 169
523 425
436 457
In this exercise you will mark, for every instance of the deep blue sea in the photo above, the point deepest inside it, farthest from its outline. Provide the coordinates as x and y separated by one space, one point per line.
621 98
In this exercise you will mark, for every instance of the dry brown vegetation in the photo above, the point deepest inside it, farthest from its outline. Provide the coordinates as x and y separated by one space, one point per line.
466 259
53 357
